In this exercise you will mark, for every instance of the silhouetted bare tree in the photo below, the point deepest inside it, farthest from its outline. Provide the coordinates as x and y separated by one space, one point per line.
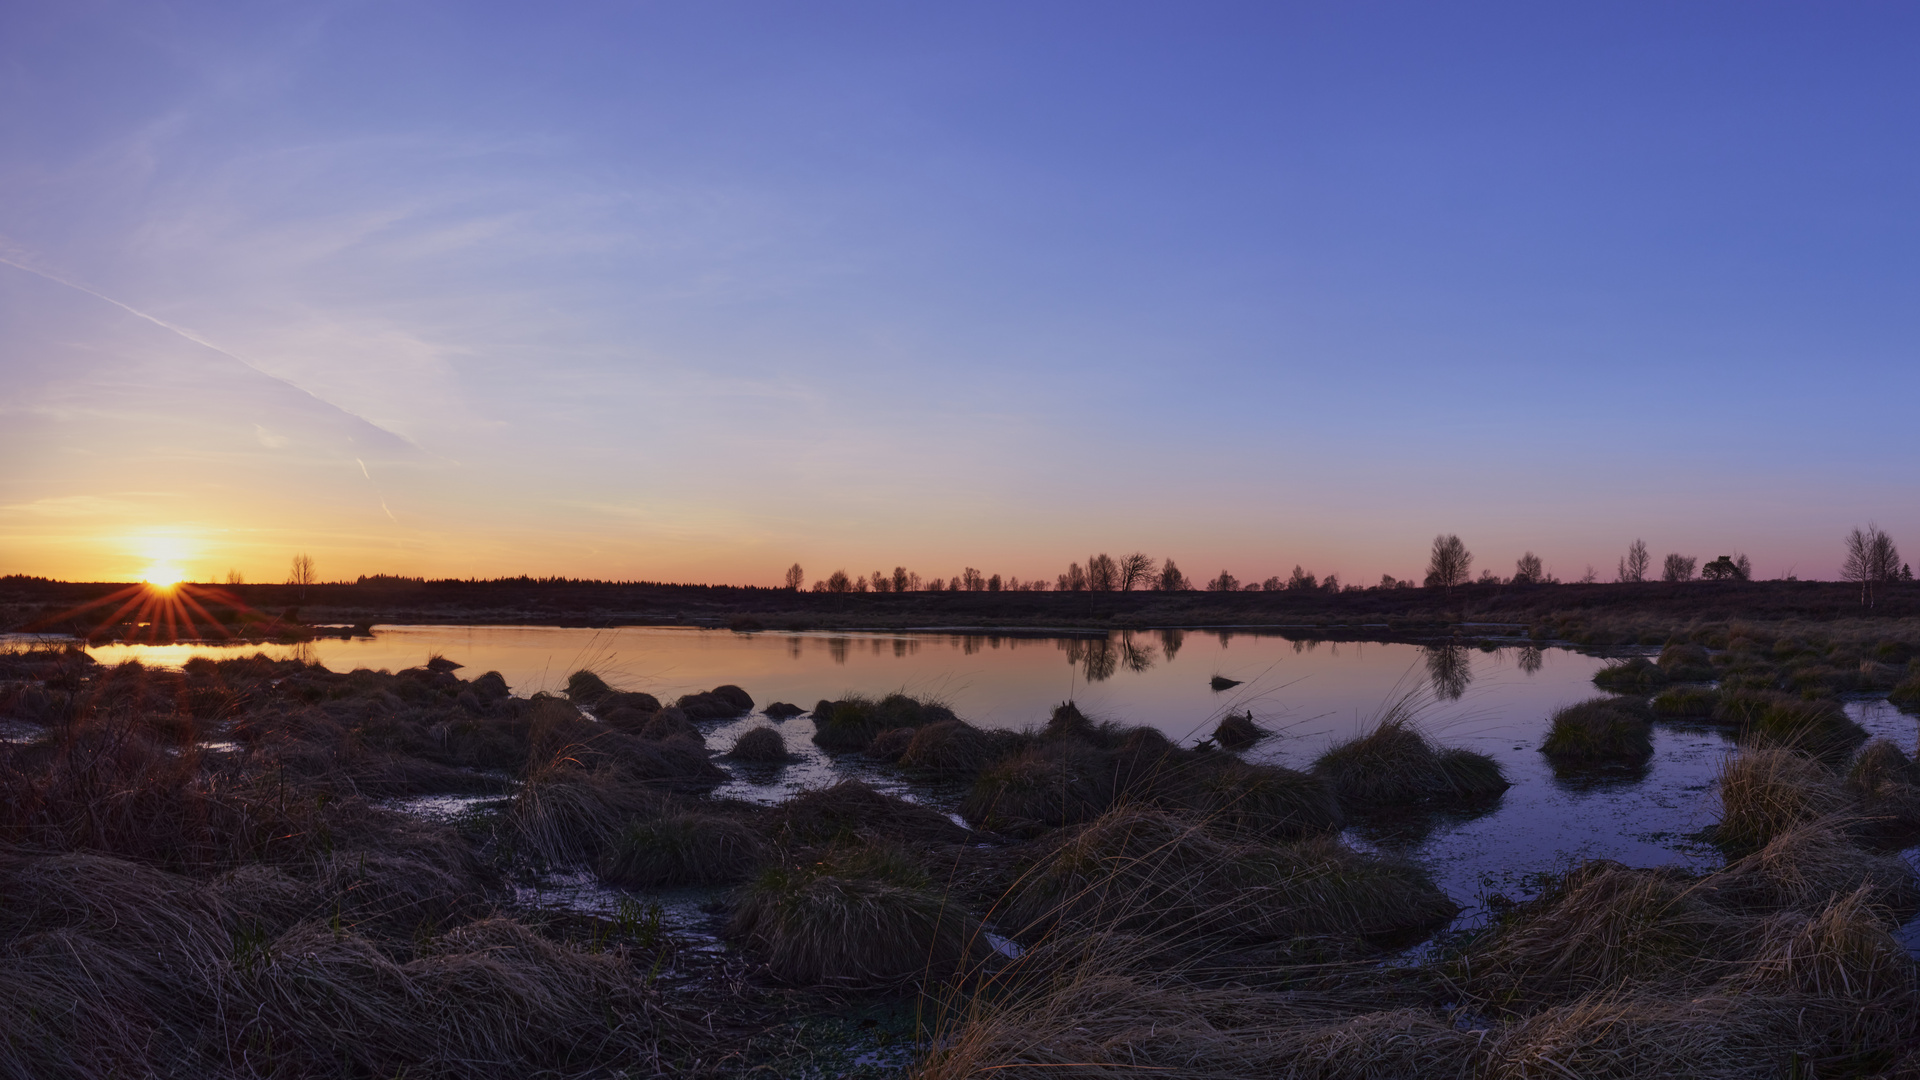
1103 574
1302 580
838 581
1872 559
1136 571
1224 583
1074 580
302 574
1527 570
234 578
881 582
1449 564
902 580
1634 564
1171 579
1678 567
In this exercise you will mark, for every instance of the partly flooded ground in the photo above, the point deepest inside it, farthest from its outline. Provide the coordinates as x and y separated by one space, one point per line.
1495 699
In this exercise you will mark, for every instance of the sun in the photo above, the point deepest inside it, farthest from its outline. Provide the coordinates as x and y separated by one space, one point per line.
163 575
166 560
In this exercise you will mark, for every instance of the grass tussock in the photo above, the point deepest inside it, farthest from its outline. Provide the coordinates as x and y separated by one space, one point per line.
1808 867
851 809
860 917
1266 801
949 748
684 848
1395 766
1237 731
1598 732
1148 872
1637 675
1603 926
1768 790
850 724
762 744
1689 702
1056 783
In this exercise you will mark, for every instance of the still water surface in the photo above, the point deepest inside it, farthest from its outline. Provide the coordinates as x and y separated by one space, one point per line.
1493 700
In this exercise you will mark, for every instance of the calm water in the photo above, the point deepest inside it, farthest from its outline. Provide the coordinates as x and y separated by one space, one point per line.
1494 701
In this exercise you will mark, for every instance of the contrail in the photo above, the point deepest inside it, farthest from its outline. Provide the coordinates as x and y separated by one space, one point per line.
376 490
205 344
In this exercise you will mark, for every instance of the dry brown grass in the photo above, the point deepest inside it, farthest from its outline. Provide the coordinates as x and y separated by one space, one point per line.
1767 790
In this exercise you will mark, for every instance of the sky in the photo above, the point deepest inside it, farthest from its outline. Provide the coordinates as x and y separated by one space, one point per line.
695 291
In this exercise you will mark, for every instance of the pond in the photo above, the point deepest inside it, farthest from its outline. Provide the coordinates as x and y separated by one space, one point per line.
1493 698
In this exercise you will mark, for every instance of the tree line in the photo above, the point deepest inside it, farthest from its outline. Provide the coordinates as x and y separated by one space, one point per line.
1871 559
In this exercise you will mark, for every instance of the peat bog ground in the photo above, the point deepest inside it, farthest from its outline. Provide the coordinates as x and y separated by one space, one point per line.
261 867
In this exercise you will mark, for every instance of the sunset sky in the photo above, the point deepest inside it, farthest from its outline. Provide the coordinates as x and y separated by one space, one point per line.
693 291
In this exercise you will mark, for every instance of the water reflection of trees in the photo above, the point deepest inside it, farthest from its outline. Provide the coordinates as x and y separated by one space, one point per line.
1171 641
1135 656
1530 659
1096 658
1451 669
837 648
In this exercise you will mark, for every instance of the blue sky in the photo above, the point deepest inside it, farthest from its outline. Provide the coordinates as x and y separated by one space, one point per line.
695 291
